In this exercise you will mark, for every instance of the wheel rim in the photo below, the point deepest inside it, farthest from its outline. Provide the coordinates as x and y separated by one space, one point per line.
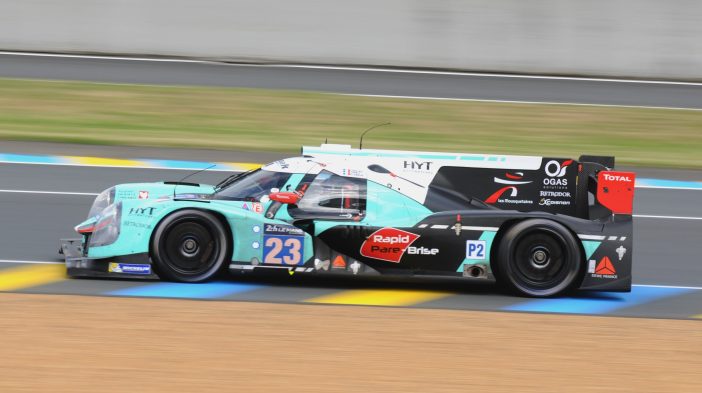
191 247
540 259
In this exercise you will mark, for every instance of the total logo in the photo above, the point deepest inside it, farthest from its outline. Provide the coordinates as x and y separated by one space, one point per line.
555 171
609 177
390 244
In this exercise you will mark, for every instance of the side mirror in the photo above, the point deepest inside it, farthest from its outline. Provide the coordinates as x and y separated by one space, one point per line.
290 198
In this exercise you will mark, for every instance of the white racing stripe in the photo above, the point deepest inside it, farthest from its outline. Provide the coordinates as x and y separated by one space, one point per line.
352 68
49 192
474 228
591 237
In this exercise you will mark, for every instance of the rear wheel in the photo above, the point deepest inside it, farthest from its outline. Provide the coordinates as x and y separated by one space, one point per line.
190 246
539 258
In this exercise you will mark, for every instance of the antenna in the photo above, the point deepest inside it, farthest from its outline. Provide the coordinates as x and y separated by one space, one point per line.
192 174
360 143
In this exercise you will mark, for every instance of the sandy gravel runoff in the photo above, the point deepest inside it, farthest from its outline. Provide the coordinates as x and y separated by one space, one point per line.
55 343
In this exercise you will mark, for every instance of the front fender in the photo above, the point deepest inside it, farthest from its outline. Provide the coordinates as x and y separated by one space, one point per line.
139 218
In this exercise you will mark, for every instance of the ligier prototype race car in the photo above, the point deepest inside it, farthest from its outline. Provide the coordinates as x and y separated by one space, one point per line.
538 226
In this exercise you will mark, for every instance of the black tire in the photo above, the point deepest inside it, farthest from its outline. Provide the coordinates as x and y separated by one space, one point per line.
539 258
190 246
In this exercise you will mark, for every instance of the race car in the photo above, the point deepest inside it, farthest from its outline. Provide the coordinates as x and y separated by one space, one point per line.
537 226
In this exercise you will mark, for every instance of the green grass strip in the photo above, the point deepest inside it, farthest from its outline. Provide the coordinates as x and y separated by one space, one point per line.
274 120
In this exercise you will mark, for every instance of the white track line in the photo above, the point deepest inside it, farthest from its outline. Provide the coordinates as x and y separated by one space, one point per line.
485 74
352 68
519 102
49 192
665 286
670 188
400 71
667 217
215 169
99 57
397 97
32 262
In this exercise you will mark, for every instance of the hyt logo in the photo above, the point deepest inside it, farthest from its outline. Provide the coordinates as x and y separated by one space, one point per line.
476 249
418 165
388 244
141 211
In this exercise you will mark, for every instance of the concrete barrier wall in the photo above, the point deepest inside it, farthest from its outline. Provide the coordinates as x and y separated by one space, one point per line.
639 38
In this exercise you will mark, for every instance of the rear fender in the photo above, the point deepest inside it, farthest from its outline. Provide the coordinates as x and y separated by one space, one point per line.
609 256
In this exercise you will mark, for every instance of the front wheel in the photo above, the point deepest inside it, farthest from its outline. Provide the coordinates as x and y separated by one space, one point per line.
539 258
190 246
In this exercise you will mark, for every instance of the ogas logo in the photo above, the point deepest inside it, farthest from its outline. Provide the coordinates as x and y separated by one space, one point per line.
555 182
555 171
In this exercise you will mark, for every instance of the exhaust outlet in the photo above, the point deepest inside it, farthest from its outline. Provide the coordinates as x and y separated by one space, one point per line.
474 271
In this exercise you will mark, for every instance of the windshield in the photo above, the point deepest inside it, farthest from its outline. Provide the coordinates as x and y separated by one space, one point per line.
331 195
252 186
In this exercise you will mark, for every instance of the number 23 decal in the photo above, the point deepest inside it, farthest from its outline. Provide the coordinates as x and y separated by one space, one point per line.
282 250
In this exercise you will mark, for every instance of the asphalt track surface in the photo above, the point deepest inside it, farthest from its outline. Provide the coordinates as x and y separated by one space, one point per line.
357 81
666 255
666 249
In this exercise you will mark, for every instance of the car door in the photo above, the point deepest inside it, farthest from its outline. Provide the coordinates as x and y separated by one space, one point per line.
345 218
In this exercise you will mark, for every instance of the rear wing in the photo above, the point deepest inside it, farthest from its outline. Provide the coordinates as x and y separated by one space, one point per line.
602 191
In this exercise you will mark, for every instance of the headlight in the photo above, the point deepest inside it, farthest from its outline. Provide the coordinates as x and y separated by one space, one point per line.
102 201
107 227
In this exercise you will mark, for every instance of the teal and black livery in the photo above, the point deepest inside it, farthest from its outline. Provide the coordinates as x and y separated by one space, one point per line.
536 226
